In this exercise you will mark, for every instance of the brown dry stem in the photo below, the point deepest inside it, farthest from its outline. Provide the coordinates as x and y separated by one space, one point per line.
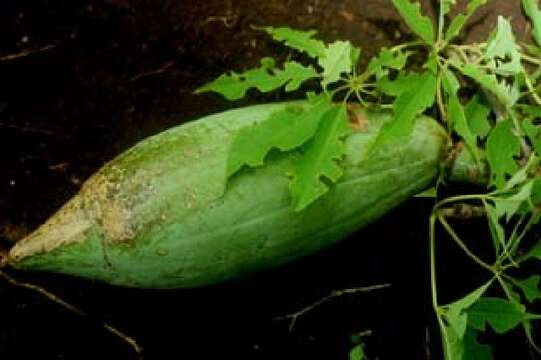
27 52
293 317
52 297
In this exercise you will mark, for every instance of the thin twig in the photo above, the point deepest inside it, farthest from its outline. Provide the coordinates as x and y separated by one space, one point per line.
334 294
47 294
27 52
463 211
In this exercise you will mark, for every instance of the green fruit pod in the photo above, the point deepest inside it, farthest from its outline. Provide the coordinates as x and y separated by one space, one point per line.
163 214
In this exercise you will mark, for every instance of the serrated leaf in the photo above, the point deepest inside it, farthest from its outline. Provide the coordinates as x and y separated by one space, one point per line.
297 39
387 59
532 11
337 60
502 148
284 130
410 103
507 95
456 116
320 159
502 315
530 287
460 20
502 51
477 113
473 350
266 78
419 24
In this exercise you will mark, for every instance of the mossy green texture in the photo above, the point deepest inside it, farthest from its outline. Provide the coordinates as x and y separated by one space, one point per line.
163 214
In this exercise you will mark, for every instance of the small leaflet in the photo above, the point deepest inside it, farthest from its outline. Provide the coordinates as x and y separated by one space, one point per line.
530 287
502 147
337 60
477 113
419 24
284 130
266 78
320 159
459 20
299 40
418 97
456 115
532 11
502 315
387 59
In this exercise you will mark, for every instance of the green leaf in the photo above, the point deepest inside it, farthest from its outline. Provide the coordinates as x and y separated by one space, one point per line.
459 20
534 253
502 51
337 60
473 350
357 353
410 103
501 314
402 83
508 206
320 159
533 133
530 287
496 229
532 11
266 78
284 130
447 4
507 95
502 148
419 24
387 59
297 39
456 116
477 113
456 320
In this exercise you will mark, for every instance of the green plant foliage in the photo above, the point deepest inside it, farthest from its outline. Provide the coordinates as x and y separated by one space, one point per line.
419 24
460 20
486 94
265 78
283 130
320 160
532 11
299 40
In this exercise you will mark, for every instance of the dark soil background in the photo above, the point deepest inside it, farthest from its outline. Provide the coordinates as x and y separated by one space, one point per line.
81 81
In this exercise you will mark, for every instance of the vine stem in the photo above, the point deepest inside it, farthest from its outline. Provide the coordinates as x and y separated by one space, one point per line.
462 245
293 317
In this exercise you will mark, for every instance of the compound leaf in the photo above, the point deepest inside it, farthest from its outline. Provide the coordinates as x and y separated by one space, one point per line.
320 159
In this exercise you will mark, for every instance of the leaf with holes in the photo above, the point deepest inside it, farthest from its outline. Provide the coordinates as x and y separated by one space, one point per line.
338 59
266 78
